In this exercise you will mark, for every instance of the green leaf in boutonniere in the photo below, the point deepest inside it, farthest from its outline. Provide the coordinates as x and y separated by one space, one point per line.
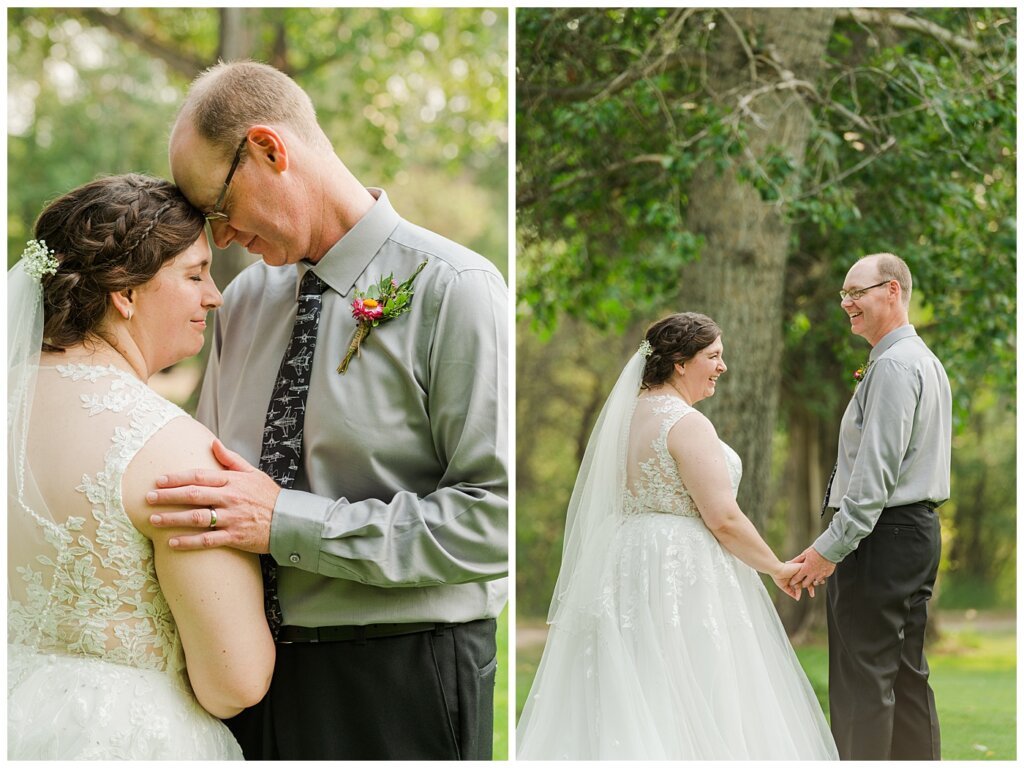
384 301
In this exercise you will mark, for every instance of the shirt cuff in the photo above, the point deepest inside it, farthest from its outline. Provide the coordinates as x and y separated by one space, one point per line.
829 547
296 529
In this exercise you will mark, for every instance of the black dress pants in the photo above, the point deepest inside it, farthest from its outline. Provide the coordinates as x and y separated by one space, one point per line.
882 707
422 696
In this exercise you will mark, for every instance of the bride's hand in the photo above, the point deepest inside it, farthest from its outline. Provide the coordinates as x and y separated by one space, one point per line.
783 573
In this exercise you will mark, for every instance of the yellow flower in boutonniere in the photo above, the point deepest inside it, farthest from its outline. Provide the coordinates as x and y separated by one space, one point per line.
861 372
384 301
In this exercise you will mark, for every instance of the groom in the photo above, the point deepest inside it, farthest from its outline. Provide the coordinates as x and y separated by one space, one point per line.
381 492
883 540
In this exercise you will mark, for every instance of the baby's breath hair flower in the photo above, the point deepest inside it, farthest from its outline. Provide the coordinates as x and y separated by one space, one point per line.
645 348
39 260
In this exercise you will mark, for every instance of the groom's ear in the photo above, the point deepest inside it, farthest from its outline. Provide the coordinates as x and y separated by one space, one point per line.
268 145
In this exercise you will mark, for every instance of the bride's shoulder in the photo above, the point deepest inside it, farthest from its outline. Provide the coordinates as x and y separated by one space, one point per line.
692 431
669 407
179 445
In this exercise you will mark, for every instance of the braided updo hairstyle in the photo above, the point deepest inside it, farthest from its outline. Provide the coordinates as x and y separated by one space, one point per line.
676 339
108 235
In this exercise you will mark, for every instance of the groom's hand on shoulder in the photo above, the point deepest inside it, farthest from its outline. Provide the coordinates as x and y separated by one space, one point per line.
234 505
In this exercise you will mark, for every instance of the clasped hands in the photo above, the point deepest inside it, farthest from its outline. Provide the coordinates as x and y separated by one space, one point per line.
805 571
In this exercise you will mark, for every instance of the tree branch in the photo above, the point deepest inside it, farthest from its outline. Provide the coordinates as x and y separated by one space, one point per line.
751 61
175 58
528 199
885 147
902 21
586 91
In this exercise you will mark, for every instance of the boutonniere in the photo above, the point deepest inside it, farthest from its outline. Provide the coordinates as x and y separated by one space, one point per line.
384 301
861 372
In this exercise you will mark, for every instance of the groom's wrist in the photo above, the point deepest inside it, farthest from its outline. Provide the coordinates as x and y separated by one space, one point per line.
296 529
829 547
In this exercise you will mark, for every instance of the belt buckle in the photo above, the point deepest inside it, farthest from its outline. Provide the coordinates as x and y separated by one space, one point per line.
314 639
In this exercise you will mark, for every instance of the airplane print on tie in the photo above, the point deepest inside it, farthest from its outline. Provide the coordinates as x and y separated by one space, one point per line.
281 454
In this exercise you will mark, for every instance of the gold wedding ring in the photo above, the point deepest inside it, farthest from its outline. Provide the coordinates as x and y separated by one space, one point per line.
213 517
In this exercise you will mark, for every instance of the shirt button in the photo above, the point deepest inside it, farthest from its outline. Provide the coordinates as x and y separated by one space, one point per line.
294 557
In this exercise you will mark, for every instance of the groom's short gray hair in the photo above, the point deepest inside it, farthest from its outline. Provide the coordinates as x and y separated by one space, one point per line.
231 97
892 267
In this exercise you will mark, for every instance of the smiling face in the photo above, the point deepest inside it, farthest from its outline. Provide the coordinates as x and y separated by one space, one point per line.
698 376
170 310
879 310
265 204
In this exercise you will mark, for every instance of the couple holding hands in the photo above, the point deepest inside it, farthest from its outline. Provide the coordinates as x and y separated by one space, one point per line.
664 643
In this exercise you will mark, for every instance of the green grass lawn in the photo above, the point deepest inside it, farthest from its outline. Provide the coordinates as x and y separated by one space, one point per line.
975 682
974 677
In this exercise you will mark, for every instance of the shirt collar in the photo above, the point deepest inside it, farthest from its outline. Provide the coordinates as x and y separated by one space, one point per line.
897 334
348 258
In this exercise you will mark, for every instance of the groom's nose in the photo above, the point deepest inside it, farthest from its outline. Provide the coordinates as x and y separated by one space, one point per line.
223 233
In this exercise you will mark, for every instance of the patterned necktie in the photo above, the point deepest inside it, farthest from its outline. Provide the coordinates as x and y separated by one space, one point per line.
828 490
281 456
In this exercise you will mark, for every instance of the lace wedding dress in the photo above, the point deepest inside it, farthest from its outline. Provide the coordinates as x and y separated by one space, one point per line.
95 666
670 647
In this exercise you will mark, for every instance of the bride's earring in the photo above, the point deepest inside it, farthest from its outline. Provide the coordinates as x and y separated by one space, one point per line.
129 315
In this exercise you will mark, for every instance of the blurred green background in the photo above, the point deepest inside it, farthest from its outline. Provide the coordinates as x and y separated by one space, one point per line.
414 100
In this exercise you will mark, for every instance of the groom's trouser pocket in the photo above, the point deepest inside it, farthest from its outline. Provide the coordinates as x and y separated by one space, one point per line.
469 684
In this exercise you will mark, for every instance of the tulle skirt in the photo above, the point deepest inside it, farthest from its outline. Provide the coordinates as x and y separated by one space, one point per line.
63 707
674 652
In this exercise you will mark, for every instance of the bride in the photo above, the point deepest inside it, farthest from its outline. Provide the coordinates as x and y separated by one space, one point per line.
104 661
664 643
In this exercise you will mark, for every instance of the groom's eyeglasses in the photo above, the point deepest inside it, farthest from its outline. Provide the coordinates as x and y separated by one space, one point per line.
856 293
217 214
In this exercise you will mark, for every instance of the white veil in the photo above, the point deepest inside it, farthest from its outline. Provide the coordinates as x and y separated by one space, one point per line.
24 343
29 520
596 504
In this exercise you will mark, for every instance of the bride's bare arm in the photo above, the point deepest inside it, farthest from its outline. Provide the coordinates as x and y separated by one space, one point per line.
694 445
216 595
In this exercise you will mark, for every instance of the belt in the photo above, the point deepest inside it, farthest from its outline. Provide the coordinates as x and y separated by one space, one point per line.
930 504
290 634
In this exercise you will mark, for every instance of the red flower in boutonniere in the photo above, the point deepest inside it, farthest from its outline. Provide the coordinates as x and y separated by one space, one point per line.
384 301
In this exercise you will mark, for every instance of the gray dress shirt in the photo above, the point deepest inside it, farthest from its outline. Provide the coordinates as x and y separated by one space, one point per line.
399 513
894 441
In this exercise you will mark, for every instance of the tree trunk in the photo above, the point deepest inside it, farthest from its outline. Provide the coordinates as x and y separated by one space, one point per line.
739 279
237 33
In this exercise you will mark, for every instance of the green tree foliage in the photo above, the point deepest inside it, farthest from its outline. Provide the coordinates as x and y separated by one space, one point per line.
919 160
605 151
413 99
912 149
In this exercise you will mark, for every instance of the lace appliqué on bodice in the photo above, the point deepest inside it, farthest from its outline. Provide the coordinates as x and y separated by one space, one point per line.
659 487
96 593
